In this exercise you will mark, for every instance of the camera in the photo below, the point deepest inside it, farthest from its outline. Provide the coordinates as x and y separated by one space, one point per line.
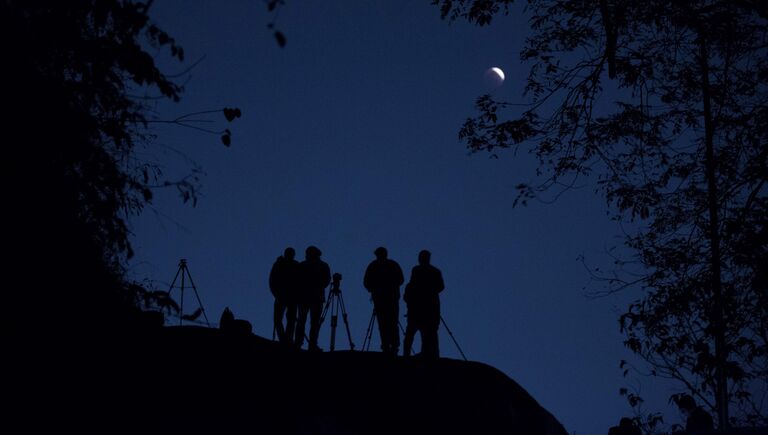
336 283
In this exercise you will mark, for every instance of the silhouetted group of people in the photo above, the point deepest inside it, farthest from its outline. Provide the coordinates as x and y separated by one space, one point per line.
299 290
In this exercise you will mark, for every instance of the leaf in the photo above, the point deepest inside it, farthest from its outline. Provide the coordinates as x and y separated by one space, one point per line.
229 114
280 39
232 113
226 139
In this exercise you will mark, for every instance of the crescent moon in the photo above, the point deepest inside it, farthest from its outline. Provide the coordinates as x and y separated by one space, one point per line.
494 77
498 72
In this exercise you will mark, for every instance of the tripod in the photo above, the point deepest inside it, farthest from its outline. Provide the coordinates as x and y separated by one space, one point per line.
334 304
453 338
369 332
367 341
184 270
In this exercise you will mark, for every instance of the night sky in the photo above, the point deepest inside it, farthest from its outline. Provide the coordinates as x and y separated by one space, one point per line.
348 141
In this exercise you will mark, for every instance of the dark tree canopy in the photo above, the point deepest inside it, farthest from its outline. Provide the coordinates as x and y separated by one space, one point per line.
71 128
681 155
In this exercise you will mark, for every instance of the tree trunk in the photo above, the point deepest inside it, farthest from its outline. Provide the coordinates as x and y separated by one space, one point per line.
721 383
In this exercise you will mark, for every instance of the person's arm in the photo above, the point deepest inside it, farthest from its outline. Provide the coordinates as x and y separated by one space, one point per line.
439 284
326 275
400 277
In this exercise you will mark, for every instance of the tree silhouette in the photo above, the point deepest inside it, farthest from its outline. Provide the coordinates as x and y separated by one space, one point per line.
74 178
682 155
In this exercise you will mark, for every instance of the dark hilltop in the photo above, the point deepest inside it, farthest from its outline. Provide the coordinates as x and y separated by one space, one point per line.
204 380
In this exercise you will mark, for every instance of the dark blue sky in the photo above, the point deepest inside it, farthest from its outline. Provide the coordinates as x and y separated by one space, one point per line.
348 141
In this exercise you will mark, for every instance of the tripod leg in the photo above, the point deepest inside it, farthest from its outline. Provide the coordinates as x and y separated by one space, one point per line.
334 322
174 280
453 338
181 310
199 302
171 288
346 322
329 306
369 332
325 309
365 337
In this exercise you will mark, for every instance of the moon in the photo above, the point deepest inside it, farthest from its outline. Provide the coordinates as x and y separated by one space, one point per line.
494 77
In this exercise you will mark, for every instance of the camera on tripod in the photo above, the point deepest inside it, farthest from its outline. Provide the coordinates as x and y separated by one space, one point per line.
336 283
335 304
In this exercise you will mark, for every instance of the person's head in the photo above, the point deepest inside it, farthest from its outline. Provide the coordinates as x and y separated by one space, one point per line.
424 257
289 254
312 253
380 253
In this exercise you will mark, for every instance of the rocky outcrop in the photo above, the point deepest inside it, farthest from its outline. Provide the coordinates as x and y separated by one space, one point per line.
190 380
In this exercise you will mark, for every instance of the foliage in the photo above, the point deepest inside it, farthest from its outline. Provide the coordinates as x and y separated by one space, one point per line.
649 423
682 155
72 137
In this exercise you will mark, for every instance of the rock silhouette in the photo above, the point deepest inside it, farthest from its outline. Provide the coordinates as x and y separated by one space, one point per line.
201 380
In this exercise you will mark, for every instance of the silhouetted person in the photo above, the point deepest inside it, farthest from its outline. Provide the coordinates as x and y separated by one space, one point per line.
283 283
423 300
315 275
698 421
383 279
626 427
